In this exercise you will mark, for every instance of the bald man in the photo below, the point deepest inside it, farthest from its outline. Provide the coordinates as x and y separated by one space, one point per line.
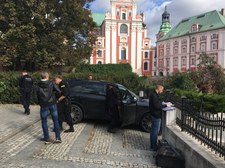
155 108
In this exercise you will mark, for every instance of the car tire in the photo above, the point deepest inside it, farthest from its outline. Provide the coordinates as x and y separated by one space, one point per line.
76 113
145 122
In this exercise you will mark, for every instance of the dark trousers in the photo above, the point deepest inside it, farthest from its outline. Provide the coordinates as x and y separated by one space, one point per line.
114 114
25 100
64 109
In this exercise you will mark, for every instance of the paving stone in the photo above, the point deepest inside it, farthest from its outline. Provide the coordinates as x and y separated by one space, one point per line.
89 146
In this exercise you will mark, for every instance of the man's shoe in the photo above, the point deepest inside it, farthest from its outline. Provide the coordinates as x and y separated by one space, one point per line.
28 112
46 141
58 141
69 130
111 130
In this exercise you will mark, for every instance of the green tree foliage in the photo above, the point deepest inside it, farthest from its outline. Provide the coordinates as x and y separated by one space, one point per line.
42 34
181 80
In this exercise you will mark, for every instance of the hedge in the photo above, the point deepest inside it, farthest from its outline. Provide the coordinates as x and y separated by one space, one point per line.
9 89
210 103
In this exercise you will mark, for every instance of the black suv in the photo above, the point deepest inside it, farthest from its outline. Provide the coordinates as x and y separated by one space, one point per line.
88 100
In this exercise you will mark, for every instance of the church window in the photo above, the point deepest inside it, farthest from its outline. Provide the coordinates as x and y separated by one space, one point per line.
192 61
176 50
167 62
203 47
193 48
146 55
145 66
214 36
194 28
124 16
167 51
184 49
214 45
160 63
175 61
123 29
183 61
123 53
99 53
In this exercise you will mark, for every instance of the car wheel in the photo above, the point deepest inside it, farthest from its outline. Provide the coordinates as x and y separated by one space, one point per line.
76 114
146 122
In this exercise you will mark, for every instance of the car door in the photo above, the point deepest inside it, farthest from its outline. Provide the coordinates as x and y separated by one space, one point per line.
93 100
129 107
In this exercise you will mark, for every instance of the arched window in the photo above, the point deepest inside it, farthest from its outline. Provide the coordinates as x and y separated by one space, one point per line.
123 53
145 66
99 62
123 29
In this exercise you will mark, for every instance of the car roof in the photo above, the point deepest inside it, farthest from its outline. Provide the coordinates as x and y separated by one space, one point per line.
94 81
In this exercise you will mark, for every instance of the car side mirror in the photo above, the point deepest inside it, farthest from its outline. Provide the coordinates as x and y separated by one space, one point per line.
133 100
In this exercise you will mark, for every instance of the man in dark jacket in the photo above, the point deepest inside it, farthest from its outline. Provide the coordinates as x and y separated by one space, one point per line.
64 104
25 86
45 97
155 108
112 104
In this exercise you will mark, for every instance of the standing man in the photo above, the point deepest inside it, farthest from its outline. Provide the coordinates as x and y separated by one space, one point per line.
155 108
112 103
63 104
44 95
25 86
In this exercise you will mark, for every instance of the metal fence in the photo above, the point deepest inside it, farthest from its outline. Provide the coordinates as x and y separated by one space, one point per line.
208 128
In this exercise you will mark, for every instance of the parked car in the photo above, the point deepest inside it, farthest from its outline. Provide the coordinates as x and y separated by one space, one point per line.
88 99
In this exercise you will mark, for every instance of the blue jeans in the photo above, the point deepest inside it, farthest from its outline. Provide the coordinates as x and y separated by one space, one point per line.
44 117
156 123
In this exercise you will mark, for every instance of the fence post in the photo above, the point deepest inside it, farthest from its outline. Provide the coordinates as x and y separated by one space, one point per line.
183 99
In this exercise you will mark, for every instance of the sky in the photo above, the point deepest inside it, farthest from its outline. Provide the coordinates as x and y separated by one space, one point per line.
153 9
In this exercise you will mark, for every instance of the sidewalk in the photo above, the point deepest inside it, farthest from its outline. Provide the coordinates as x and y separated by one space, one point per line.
90 146
13 120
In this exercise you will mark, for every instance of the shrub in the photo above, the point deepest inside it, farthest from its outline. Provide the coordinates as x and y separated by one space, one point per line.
210 103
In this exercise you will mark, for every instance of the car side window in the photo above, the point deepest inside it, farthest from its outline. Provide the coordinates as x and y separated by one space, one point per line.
94 88
126 96
76 87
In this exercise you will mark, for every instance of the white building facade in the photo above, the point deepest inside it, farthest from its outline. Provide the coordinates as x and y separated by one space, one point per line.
180 48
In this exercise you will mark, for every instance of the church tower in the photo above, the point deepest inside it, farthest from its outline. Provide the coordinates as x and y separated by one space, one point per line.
165 26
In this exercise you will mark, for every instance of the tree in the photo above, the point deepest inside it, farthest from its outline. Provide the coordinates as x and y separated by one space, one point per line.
42 34
211 75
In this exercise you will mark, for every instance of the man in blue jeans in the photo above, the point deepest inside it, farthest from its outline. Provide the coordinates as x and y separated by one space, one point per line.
44 95
155 108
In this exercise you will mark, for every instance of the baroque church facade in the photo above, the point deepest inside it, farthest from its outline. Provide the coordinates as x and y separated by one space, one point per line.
122 38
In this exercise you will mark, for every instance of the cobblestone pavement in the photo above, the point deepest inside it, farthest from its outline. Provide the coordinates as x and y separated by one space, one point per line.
89 146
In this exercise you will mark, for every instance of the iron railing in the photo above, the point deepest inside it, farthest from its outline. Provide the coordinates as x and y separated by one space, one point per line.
208 128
